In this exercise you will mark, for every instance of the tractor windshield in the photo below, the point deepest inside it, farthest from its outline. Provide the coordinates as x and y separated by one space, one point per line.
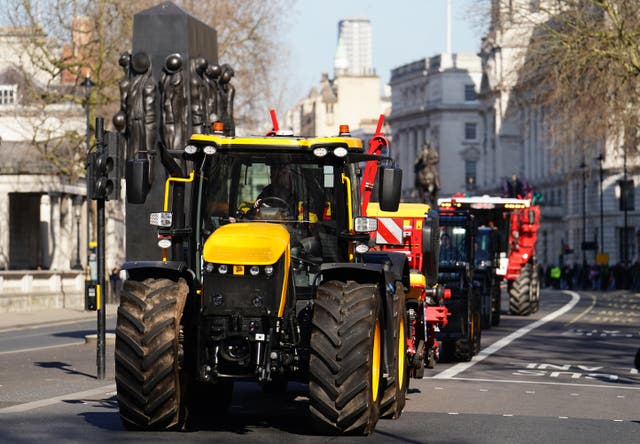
294 190
452 244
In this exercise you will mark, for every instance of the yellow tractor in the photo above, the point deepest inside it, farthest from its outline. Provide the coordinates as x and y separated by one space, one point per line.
274 282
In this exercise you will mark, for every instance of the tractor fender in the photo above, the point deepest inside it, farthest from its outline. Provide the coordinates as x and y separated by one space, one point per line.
140 270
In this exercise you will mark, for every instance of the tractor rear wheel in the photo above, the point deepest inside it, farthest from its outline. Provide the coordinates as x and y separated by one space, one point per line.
395 391
519 293
345 377
148 354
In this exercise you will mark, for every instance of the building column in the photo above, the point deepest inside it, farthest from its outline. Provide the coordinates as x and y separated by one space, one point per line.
4 234
46 240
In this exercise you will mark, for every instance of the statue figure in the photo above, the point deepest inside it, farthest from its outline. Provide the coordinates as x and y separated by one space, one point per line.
198 94
212 75
141 107
174 98
227 94
427 178
120 118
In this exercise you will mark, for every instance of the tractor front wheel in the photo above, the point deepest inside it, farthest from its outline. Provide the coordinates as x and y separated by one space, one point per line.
345 383
148 354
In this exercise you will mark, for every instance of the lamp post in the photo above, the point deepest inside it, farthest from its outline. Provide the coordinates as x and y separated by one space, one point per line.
583 167
600 159
87 84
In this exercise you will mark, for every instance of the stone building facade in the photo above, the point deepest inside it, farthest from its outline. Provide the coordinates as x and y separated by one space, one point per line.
434 100
572 186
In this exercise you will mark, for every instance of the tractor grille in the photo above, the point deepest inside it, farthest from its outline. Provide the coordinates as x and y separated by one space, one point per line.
246 295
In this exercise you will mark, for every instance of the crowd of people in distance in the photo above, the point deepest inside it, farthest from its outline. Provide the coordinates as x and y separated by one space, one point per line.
592 277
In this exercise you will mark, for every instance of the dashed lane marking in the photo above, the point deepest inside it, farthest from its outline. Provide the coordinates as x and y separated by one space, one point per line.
567 384
56 399
587 310
485 353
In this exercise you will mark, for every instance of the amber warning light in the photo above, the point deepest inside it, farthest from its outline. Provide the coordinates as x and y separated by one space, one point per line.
344 130
218 127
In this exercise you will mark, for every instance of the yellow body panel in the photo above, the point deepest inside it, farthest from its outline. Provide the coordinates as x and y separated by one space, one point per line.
406 209
252 243
417 284
283 142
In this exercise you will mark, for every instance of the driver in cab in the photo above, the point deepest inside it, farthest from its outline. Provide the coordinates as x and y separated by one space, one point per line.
279 193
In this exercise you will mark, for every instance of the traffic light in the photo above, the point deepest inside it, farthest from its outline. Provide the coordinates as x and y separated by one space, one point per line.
103 175
627 195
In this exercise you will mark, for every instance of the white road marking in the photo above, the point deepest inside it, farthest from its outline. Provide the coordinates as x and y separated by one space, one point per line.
567 384
23 350
587 310
485 353
46 402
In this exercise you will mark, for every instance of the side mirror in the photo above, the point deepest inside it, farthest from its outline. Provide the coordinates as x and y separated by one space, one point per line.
431 247
137 177
389 188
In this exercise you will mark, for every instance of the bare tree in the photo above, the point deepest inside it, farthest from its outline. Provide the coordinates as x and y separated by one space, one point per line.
579 61
65 41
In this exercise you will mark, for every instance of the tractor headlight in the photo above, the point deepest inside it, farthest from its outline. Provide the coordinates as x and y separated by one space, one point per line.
210 149
223 269
268 270
362 248
365 224
340 151
254 270
320 151
190 149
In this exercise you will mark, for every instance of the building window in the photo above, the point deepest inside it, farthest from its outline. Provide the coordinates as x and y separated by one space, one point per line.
470 174
470 93
626 244
470 131
8 94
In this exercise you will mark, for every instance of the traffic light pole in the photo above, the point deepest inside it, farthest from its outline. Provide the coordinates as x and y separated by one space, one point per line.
101 293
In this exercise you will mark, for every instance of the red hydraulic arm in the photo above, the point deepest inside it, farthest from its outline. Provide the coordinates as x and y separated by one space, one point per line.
376 145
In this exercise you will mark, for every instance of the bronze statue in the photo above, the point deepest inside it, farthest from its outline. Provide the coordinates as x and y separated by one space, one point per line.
120 118
174 100
141 107
227 94
198 94
212 75
427 178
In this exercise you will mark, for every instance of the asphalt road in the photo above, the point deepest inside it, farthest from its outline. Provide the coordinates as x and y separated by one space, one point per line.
561 375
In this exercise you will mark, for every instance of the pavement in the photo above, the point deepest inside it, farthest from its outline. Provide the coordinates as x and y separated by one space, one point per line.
54 316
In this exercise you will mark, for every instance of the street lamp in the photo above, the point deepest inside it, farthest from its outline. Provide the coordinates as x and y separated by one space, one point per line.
583 167
87 84
600 159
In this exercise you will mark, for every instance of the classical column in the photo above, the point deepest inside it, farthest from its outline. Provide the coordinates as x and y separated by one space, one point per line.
44 255
4 234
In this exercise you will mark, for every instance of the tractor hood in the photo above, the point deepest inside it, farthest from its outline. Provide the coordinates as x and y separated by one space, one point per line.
250 243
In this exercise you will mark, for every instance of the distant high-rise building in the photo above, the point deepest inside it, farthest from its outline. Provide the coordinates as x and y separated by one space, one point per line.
354 51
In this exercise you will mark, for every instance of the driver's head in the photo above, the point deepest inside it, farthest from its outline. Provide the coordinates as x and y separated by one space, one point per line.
281 177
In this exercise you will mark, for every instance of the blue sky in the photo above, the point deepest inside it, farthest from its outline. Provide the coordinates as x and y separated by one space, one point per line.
403 31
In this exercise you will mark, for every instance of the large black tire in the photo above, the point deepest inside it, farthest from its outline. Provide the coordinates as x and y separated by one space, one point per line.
397 383
535 289
345 378
520 292
147 354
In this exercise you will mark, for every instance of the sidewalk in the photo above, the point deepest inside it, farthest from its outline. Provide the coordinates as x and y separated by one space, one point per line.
55 316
